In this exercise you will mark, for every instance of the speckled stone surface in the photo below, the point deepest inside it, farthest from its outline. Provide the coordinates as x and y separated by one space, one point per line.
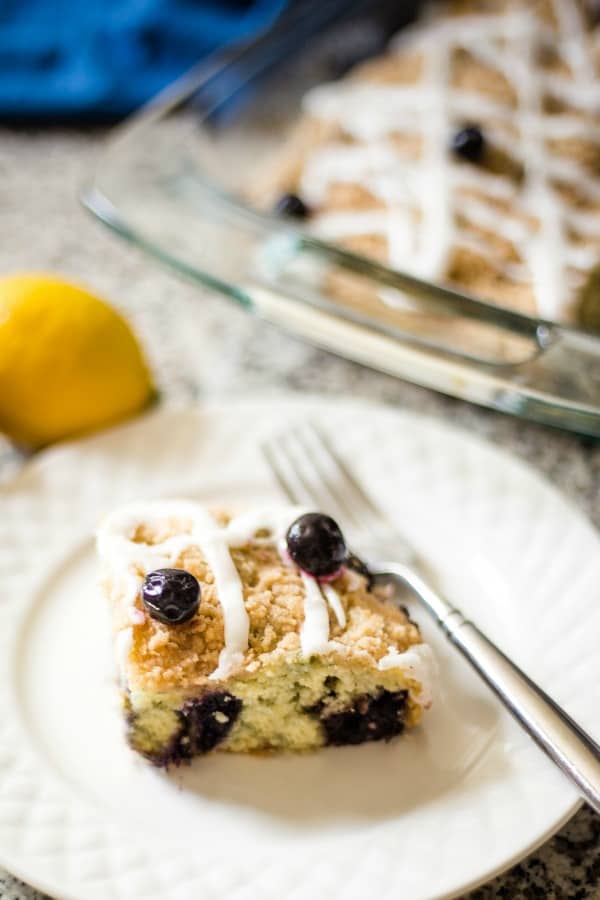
201 345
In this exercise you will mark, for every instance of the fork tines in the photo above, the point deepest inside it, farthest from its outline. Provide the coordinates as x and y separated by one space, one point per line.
312 472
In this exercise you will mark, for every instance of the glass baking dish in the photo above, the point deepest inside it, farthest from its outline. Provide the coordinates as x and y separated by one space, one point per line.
175 179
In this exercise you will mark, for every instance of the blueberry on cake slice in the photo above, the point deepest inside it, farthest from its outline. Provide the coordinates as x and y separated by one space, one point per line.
469 153
253 632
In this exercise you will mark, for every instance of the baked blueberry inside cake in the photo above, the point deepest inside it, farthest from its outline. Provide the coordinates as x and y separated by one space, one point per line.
253 632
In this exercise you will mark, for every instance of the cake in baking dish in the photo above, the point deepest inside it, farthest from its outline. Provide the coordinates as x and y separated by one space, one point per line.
469 153
253 632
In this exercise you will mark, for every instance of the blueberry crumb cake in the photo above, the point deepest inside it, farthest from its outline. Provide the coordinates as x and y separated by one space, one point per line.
253 632
469 153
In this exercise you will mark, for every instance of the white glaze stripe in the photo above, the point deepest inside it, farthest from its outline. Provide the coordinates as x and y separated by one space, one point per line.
420 664
231 598
332 597
314 633
422 197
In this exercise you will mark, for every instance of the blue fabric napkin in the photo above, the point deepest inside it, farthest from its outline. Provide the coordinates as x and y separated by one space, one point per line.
99 59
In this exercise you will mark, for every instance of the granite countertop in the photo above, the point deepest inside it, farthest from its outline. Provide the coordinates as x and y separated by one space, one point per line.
202 346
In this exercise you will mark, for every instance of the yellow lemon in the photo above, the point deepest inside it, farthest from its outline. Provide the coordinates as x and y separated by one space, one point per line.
69 363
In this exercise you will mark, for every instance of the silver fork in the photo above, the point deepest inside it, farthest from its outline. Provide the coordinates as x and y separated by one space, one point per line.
310 471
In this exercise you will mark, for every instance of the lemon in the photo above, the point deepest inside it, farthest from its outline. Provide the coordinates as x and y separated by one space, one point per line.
69 363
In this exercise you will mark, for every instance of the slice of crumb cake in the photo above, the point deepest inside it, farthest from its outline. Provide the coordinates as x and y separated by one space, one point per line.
253 632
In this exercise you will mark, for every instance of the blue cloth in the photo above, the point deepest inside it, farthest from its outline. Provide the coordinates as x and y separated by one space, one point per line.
99 59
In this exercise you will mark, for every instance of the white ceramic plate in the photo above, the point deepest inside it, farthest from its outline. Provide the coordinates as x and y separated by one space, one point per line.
425 816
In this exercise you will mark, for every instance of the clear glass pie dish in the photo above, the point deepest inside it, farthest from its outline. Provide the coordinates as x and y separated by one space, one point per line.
174 180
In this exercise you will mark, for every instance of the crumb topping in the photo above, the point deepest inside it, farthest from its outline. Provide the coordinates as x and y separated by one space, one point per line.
172 657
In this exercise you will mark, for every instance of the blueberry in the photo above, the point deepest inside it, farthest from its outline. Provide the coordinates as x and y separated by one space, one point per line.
469 143
204 723
171 596
292 205
367 718
316 544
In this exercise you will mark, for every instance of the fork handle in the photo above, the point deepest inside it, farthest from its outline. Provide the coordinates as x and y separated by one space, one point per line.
562 739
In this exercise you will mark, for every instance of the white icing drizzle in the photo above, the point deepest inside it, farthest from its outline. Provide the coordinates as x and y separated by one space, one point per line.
128 561
419 663
231 598
423 197
314 633
332 597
